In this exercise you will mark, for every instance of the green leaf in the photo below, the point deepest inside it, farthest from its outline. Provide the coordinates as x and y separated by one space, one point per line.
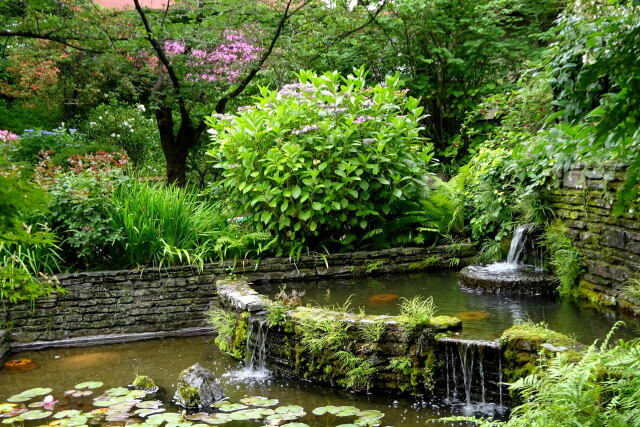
295 192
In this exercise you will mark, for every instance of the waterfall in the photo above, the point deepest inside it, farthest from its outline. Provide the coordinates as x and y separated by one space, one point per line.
255 362
472 375
256 348
517 247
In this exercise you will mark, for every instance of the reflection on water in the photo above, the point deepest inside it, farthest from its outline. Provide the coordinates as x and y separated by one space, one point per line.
163 359
484 316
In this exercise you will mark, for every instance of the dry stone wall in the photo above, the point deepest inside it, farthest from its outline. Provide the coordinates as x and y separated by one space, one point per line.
609 246
115 306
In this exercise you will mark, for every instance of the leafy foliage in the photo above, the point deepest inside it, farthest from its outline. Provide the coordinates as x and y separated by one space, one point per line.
417 311
322 161
126 127
563 256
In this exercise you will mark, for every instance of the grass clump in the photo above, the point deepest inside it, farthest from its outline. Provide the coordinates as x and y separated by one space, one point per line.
417 311
323 334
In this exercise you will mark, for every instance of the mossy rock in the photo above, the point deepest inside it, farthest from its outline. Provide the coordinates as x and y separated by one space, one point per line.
445 323
530 336
197 388
143 382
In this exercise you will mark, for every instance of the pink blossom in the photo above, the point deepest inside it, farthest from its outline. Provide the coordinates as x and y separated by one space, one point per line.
174 47
6 136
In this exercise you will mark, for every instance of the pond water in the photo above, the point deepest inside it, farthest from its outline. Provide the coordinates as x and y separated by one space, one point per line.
484 315
163 359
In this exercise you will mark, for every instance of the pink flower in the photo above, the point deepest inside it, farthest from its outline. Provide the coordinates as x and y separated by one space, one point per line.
49 402
6 136
174 47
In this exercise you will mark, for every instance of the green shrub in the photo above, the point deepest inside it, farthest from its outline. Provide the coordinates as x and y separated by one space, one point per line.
124 126
323 161
80 192
17 118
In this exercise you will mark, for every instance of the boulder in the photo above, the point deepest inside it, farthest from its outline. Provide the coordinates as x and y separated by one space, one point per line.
198 388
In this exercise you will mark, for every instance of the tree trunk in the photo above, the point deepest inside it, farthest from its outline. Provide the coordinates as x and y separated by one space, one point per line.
175 146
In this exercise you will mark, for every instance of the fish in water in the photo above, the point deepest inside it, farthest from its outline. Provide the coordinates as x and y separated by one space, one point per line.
383 298
472 315
20 365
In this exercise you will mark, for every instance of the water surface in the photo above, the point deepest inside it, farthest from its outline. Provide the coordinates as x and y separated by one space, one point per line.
484 315
163 359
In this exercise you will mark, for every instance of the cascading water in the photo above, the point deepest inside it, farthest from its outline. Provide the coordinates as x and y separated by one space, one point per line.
473 375
255 363
256 348
521 273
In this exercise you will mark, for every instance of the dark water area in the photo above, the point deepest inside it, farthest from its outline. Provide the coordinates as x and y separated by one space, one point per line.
163 359
484 315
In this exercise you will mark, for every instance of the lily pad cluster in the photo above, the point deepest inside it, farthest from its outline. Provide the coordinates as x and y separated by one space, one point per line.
132 407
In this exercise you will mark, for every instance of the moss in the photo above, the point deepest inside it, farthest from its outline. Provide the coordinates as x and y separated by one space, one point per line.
532 335
445 323
144 382
584 291
523 347
190 395
240 336
367 268
427 263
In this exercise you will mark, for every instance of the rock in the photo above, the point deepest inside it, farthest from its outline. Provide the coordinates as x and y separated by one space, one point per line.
197 388
143 382
520 281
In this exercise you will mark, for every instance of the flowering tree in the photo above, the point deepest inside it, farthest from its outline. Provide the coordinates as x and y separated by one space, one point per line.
180 65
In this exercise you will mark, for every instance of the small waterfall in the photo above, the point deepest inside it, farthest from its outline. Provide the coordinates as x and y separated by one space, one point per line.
255 362
256 348
517 246
472 375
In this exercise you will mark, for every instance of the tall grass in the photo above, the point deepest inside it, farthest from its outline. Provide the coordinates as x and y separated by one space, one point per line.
26 270
163 225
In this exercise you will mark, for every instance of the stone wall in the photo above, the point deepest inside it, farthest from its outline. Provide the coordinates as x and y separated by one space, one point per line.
122 305
609 246
388 354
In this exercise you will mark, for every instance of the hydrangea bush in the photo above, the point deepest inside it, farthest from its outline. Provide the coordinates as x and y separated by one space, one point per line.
325 160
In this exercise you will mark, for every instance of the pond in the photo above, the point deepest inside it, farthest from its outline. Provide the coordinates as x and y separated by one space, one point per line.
484 315
163 359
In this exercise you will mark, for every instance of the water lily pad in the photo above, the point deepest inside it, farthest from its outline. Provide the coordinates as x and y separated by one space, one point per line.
216 419
230 407
259 401
67 414
36 414
347 425
149 404
147 412
103 403
169 417
12 420
371 413
295 425
90 384
339 411
6 407
136 394
29 394
179 424
117 391
278 419
291 409
249 414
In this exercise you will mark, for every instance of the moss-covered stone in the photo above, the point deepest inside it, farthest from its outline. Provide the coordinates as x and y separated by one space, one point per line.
445 323
524 344
143 382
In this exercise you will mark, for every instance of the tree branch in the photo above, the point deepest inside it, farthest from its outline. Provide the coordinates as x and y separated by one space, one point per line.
175 82
222 102
48 36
